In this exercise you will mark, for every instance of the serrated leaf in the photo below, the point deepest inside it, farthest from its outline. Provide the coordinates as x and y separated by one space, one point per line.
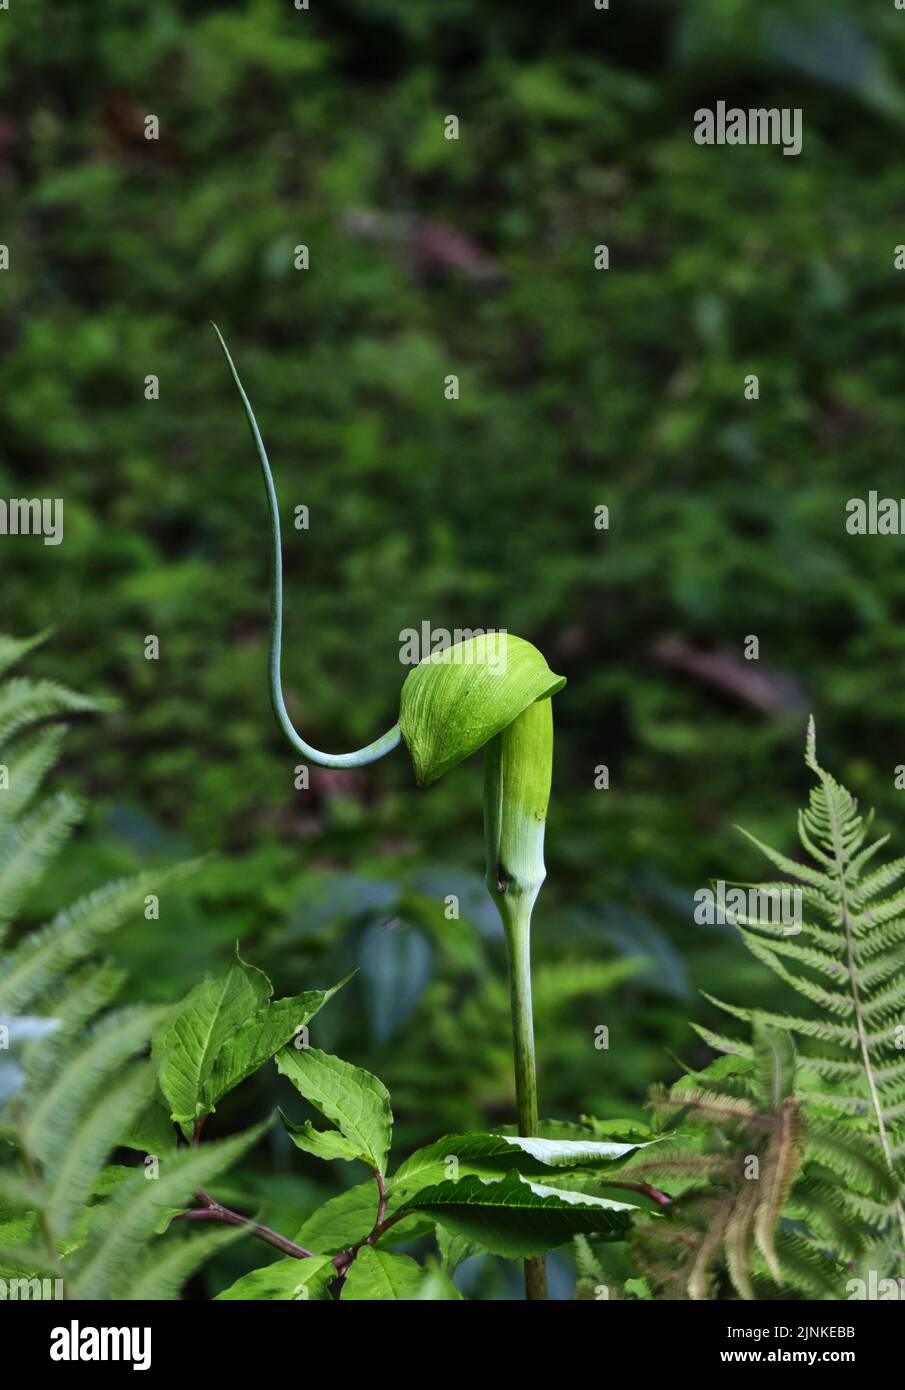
326 1144
377 1275
285 1281
354 1100
260 1038
455 701
492 1155
518 1218
454 1250
189 1045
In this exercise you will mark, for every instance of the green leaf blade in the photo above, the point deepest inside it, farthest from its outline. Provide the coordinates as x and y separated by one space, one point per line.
519 1219
378 1276
350 1097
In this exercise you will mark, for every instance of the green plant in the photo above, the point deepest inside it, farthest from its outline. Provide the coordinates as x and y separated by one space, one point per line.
477 693
74 1083
788 1167
88 1086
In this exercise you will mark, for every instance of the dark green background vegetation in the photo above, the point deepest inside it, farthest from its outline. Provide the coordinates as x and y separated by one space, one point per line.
578 388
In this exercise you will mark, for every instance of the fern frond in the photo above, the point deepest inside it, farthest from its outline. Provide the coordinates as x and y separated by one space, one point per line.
799 873
831 1213
93 1137
854 1155
169 1265
806 1268
78 1087
781 1165
28 766
44 955
25 702
739 1240
586 1262
774 1067
835 1161
52 1118
835 1003
731 1046
138 1209
719 1220
829 966
12 649
27 848
881 879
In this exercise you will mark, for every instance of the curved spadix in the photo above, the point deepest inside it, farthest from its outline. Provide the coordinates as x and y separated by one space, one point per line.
359 757
458 699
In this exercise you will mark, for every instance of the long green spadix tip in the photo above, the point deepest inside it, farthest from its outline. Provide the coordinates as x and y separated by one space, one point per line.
458 699
360 757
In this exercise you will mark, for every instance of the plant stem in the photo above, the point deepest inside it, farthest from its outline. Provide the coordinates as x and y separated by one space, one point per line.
518 771
517 924
212 1210
381 1204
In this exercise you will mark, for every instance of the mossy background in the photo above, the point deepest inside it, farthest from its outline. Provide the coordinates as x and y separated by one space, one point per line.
578 388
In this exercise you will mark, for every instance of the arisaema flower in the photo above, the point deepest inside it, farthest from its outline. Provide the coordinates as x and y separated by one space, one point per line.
493 692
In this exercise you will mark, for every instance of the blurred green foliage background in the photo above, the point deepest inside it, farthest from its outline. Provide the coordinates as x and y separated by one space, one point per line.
579 388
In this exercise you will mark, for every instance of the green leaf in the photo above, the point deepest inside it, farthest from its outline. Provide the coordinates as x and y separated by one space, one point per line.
492 1155
378 1275
189 1045
349 1218
260 1038
285 1281
455 701
455 1250
354 1100
152 1131
517 1218
324 1144
437 1286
